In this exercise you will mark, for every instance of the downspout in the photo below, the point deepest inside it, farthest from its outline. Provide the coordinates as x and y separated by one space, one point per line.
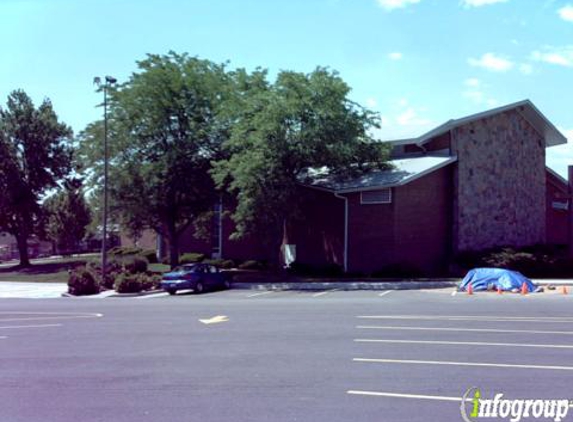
570 208
220 226
345 256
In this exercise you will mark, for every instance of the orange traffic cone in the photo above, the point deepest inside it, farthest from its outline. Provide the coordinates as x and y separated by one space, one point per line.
524 289
470 289
564 290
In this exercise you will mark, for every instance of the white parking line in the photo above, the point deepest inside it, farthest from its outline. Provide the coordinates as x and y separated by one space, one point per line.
152 296
476 364
46 315
325 292
30 326
261 293
404 396
475 330
469 318
467 343
387 292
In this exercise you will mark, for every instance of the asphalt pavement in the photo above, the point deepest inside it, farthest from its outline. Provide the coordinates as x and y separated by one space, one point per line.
242 355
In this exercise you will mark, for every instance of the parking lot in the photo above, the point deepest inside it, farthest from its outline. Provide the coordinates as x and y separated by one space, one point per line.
243 355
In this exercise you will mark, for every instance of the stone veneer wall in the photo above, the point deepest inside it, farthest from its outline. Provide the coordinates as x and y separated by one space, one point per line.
499 183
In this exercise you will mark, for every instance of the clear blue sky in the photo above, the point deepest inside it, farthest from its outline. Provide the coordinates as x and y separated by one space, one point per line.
417 62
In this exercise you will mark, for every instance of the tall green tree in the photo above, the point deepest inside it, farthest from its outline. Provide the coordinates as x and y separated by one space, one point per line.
302 121
35 153
68 215
164 132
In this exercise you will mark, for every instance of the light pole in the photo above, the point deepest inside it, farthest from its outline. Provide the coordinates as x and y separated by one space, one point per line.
109 81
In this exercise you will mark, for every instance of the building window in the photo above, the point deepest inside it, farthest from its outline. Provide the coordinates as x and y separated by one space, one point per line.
560 206
381 196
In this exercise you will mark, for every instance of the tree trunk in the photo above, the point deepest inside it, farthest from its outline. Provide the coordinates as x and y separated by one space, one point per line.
173 240
22 240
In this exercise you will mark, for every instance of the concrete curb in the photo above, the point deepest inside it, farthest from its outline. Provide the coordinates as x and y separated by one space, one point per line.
144 293
346 286
554 282
111 293
329 285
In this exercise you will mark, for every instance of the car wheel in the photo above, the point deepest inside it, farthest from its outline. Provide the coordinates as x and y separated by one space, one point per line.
171 291
198 288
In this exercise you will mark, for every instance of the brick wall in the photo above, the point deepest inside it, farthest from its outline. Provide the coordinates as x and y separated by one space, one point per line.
413 231
557 225
319 236
499 183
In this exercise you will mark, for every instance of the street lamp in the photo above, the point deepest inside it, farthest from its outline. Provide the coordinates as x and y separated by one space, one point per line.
109 81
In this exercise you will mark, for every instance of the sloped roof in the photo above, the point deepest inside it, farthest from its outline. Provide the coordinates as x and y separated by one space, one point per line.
404 170
526 108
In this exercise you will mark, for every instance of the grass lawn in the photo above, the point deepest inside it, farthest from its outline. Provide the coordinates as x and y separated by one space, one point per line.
159 268
55 271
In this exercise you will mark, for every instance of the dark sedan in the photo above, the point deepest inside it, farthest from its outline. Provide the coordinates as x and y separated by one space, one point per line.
197 277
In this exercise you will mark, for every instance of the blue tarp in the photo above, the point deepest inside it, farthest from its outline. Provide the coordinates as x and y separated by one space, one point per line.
506 280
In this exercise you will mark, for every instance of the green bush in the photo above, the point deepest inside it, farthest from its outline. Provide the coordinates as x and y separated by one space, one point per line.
128 283
136 264
221 263
124 251
82 282
150 255
533 261
191 257
251 265
150 281
227 264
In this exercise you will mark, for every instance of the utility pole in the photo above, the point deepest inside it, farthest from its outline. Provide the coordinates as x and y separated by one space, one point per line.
109 81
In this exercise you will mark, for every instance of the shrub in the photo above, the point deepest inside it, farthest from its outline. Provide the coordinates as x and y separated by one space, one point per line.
150 255
115 250
128 283
149 281
136 265
533 261
191 257
227 264
124 251
221 263
82 282
251 265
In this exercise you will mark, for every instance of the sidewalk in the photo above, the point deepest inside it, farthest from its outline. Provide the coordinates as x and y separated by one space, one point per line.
16 289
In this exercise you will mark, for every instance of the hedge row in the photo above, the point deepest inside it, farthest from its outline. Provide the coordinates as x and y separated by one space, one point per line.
126 273
536 261
125 251
194 257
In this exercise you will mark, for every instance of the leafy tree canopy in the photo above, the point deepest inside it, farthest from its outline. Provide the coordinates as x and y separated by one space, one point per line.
36 154
301 121
164 132
68 215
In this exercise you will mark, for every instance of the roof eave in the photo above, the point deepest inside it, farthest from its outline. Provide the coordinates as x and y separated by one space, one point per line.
548 131
451 160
